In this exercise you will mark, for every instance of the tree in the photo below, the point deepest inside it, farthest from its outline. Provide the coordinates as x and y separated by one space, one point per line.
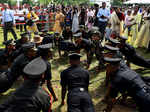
117 2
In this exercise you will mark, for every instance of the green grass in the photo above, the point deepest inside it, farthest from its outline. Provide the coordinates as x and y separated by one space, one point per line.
97 90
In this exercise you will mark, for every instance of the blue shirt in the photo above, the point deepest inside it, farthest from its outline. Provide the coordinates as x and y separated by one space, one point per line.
104 12
7 16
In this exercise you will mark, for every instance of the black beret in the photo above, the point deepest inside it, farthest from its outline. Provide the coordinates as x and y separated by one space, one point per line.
110 48
8 42
77 34
35 68
74 56
112 60
45 47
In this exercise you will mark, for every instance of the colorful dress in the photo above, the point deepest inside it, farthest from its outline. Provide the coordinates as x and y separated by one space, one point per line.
144 35
134 29
58 19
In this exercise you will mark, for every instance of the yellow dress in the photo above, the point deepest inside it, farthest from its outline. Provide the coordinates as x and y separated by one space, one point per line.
134 29
144 35
59 18
32 28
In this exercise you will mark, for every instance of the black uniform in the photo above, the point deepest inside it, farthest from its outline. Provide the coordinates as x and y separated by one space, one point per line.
3 57
126 80
67 35
96 49
18 65
77 80
30 97
133 57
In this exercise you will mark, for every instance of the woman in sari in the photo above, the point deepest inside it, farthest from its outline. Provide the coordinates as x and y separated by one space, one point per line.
59 19
144 35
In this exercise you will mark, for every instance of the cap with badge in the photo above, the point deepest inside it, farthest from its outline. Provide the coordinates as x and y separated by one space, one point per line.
110 51
113 42
45 47
96 32
74 56
77 35
29 45
112 61
111 48
35 68
9 42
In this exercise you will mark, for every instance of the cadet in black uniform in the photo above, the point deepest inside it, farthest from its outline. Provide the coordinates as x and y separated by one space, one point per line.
76 79
16 70
30 97
45 52
24 39
67 33
96 49
82 43
125 80
83 32
29 53
131 55
5 55
48 38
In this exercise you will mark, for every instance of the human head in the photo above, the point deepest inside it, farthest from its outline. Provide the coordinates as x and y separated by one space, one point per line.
74 59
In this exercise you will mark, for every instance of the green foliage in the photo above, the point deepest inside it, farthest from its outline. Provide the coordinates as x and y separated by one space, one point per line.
65 2
117 2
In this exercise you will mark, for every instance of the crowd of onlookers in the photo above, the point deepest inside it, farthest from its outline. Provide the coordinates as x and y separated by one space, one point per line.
127 21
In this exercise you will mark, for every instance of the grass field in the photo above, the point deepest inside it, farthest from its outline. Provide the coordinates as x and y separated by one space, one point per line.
97 90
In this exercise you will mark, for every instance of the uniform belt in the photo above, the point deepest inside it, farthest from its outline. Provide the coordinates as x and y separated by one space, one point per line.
78 89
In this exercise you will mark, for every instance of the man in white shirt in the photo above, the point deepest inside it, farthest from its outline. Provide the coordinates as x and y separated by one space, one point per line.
103 16
8 21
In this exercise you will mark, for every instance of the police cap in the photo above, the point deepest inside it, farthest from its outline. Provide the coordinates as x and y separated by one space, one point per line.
29 45
110 48
94 28
77 35
113 41
96 32
45 47
112 60
74 56
35 68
